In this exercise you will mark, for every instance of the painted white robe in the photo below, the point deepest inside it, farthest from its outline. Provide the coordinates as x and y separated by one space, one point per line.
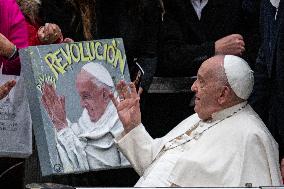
233 152
87 145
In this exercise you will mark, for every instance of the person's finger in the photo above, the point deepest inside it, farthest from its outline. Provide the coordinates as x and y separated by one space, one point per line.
136 102
113 99
49 29
50 33
140 91
120 89
68 40
6 88
45 29
55 31
48 90
3 92
10 84
62 100
238 36
51 91
126 92
133 90
49 97
44 89
125 105
241 42
54 27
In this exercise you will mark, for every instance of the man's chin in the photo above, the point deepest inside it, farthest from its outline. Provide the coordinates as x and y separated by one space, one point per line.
92 118
196 109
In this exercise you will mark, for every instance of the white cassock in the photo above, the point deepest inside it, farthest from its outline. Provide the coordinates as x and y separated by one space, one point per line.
87 145
233 149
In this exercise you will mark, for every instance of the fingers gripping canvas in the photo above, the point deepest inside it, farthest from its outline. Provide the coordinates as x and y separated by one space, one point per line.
74 119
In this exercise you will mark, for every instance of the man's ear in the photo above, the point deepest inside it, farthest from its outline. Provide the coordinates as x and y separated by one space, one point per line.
224 95
105 94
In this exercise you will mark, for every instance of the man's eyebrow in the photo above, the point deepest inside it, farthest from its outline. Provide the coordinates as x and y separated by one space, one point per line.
200 77
85 93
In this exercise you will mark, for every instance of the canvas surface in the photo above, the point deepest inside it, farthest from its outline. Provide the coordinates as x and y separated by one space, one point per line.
70 71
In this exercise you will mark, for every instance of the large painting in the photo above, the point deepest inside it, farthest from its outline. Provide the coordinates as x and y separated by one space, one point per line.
74 120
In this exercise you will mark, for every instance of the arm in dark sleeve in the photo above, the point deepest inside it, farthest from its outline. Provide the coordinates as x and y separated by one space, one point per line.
149 41
260 95
178 55
149 66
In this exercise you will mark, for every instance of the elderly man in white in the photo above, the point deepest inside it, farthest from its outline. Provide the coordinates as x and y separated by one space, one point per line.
89 143
224 144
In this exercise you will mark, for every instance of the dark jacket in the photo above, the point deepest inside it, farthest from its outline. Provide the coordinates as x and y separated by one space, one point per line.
187 41
268 94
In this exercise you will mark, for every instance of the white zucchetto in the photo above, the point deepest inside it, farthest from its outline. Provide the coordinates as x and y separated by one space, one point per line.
239 75
100 72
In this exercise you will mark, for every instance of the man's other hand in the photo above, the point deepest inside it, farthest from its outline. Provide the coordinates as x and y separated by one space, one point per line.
128 106
55 106
232 44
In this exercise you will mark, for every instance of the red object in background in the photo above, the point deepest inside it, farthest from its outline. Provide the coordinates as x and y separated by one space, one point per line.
32 31
33 38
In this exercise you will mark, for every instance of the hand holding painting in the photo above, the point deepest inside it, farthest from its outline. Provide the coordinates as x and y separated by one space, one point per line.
49 33
6 88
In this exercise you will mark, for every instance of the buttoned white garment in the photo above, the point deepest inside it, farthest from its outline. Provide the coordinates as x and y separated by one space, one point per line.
233 152
198 6
160 170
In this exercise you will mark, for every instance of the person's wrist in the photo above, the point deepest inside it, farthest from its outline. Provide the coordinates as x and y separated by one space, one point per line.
131 127
14 54
60 126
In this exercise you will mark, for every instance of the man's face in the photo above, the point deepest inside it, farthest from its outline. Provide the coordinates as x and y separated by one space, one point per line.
92 97
207 91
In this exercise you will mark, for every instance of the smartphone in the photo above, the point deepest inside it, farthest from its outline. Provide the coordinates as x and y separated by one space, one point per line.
139 76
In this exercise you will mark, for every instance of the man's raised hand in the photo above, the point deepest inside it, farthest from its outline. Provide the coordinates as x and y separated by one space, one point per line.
55 106
128 106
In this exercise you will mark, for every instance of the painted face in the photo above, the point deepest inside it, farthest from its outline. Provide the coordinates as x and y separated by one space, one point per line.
92 97
206 88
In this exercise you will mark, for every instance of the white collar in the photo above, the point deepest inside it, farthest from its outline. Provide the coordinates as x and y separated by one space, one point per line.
275 3
223 114
107 121
198 6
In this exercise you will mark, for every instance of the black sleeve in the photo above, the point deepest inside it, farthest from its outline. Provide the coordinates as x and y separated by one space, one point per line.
65 15
141 42
149 41
177 54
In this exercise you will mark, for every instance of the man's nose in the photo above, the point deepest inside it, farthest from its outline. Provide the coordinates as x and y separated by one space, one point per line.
83 104
194 87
